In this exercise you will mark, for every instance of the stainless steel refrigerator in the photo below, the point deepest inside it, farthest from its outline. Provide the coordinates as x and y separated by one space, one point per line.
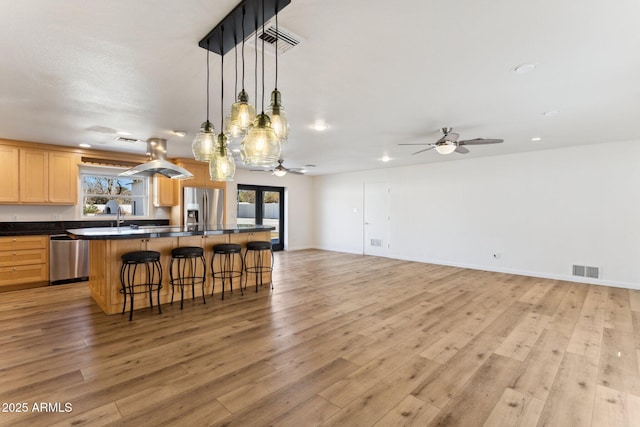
203 207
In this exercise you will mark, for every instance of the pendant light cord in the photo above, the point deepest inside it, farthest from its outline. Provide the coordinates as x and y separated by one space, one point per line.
243 13
235 52
262 56
221 80
208 80
277 34
255 77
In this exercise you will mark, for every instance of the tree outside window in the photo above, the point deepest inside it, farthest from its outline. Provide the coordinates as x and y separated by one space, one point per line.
103 194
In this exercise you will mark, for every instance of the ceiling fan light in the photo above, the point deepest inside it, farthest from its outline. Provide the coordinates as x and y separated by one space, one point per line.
279 120
261 146
447 148
222 167
280 172
204 142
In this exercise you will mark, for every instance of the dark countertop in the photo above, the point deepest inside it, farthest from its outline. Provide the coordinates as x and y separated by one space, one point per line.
125 232
60 227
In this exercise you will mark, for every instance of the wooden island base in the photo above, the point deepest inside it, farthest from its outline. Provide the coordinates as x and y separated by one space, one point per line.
105 264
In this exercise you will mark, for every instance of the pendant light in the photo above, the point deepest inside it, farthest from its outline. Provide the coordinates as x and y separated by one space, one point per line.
222 167
242 113
261 146
203 143
279 120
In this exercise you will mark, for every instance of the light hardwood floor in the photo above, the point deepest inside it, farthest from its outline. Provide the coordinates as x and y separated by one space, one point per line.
343 340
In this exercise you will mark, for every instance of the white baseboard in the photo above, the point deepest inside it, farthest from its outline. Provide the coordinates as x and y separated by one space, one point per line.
542 275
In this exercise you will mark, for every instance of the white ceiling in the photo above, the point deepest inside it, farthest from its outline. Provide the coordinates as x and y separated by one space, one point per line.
378 73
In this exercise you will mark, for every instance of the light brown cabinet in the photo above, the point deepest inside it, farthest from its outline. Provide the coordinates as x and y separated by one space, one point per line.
200 171
9 175
24 260
165 191
34 176
63 178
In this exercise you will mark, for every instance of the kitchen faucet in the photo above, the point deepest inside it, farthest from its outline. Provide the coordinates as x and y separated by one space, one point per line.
119 217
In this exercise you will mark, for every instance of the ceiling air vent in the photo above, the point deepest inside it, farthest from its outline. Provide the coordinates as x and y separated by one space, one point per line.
286 39
124 139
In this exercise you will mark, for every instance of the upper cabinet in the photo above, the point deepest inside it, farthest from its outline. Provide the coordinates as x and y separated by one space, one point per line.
63 178
165 191
38 176
34 176
9 176
200 171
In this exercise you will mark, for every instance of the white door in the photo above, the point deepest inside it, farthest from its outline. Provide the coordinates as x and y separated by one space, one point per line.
377 207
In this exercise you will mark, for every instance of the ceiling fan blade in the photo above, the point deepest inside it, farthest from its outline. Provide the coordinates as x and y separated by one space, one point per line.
296 172
260 170
422 151
461 150
417 143
480 141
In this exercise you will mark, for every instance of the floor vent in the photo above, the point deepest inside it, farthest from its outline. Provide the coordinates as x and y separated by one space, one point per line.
586 271
286 39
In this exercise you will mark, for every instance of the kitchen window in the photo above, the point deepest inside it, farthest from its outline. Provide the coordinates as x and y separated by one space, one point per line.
103 192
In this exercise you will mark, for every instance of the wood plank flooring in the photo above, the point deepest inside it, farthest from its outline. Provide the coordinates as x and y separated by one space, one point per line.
342 340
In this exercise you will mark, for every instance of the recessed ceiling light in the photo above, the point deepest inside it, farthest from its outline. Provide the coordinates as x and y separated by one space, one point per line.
537 138
551 113
320 126
524 68
386 159
84 145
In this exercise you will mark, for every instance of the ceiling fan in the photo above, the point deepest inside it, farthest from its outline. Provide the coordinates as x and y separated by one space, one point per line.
449 143
280 170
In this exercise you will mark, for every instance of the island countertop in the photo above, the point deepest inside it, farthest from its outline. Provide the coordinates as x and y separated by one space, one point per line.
128 232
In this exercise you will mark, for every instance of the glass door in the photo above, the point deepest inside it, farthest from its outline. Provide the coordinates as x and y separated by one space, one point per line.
263 206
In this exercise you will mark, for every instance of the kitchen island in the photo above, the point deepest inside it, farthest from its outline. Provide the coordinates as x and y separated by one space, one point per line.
108 244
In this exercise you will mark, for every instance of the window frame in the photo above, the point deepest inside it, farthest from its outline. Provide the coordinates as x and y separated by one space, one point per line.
112 171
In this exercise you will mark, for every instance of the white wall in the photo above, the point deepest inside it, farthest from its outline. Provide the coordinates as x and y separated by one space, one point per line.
541 211
299 216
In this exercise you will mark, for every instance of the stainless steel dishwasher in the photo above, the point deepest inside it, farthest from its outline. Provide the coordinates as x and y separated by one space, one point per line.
68 260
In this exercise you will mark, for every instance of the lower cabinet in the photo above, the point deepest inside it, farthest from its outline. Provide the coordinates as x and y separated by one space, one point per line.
24 260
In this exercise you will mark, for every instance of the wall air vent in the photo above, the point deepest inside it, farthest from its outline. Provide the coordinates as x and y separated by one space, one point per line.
286 39
376 242
586 271
592 272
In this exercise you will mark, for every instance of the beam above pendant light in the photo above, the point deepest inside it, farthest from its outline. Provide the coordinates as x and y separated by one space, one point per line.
221 42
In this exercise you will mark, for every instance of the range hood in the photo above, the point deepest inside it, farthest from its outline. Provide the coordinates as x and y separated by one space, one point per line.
157 149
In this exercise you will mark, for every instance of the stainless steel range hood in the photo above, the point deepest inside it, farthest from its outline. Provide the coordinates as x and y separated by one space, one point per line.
157 149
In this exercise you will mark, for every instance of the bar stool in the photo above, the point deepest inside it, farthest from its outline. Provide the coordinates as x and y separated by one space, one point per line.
153 270
185 261
226 253
259 251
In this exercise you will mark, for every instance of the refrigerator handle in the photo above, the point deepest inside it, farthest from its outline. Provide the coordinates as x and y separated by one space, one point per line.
205 209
